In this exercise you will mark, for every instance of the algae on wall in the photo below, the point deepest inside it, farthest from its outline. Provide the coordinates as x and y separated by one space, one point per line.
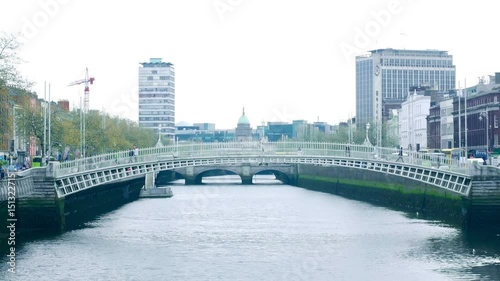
384 189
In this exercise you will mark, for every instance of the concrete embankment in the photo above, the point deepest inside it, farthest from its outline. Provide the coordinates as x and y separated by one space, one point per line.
484 207
41 212
385 190
85 205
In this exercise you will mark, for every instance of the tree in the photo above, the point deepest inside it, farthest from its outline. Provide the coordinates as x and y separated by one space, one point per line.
29 121
5 119
9 76
9 60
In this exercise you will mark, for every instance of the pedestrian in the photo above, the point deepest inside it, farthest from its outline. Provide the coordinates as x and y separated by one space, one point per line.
400 154
131 155
136 153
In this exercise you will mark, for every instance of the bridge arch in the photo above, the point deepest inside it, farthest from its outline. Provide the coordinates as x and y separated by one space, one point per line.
198 179
194 175
164 177
281 176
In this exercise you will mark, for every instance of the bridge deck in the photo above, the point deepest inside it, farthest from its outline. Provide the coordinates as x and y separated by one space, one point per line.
80 174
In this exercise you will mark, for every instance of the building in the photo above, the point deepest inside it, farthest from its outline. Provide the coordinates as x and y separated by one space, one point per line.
392 130
413 121
446 124
279 131
440 122
481 108
157 96
434 126
243 130
205 126
385 76
64 105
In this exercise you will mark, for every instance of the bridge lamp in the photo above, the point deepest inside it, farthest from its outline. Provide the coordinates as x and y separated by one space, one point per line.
158 144
367 140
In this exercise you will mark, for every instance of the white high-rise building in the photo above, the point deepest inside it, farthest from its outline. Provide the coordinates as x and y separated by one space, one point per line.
413 121
157 96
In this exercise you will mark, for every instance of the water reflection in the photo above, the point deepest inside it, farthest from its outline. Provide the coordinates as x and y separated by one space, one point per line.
267 231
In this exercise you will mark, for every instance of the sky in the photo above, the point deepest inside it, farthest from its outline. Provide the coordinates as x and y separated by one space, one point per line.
281 60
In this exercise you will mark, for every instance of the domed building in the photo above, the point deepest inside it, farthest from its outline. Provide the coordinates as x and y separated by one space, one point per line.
243 130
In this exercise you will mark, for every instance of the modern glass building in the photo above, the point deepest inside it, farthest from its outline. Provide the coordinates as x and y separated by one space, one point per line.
157 96
384 77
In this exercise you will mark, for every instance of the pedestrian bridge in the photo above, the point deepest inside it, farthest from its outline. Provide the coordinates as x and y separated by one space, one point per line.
247 158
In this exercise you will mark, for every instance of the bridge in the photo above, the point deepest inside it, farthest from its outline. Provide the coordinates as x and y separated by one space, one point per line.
69 189
192 160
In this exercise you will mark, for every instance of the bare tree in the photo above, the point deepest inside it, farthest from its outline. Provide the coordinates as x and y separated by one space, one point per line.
9 60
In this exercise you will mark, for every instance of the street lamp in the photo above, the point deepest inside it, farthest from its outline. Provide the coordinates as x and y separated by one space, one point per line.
367 140
481 115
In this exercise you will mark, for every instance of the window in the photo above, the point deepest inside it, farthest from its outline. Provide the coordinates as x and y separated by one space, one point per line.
495 121
150 77
154 71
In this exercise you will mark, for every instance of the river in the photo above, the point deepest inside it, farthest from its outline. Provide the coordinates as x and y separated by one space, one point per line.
266 231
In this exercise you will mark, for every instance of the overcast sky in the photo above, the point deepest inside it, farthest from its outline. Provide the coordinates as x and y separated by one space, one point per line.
280 59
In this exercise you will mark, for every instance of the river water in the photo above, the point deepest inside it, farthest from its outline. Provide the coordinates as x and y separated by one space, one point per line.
267 231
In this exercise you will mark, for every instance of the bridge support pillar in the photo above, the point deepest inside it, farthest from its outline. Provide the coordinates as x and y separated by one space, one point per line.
190 177
246 175
192 180
149 181
246 179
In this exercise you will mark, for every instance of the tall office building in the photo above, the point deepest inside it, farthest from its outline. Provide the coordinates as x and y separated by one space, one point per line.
157 96
385 76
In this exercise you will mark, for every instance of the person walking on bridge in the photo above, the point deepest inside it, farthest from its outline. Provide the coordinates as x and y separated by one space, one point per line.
136 153
131 155
400 154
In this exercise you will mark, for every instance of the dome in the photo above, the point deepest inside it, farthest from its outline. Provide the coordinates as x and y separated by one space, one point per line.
243 119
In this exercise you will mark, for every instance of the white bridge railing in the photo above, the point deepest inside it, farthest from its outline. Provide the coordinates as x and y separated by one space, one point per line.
72 183
194 150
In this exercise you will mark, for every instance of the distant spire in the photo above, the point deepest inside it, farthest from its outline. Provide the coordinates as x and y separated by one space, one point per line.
243 111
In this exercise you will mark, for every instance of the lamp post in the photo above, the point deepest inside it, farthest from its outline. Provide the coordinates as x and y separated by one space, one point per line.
367 140
159 144
12 144
350 132
481 115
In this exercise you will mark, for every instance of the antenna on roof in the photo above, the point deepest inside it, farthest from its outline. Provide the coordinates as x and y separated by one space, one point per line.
402 40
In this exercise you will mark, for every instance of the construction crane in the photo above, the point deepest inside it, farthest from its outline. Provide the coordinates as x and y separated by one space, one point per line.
88 80
85 81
